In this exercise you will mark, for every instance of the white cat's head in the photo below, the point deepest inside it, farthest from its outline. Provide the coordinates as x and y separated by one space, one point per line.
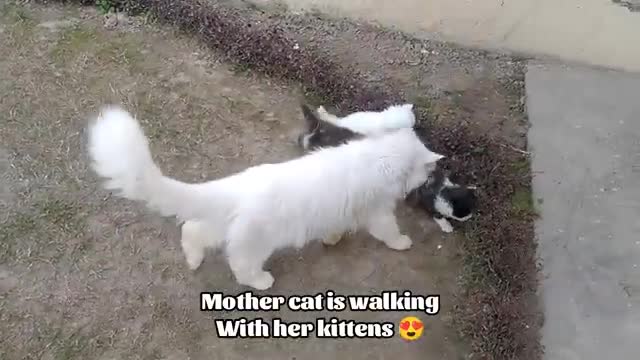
399 116
423 161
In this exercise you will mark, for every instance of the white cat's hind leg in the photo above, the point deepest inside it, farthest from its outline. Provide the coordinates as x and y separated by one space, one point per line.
247 250
193 243
197 236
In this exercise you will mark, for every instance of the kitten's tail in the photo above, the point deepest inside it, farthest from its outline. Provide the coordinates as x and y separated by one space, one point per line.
120 152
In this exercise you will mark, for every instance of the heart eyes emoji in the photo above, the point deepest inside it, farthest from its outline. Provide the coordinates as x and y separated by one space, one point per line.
410 328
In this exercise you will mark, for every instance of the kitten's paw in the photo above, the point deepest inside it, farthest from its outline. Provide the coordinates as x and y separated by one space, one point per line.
261 281
402 243
332 239
444 224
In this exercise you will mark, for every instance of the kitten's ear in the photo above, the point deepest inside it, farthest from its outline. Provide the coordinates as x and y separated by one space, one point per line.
310 117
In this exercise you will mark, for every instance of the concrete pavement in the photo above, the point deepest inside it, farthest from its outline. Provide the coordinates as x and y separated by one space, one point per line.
585 139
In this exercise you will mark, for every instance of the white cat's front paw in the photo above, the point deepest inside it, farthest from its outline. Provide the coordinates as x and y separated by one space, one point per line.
261 281
444 224
401 243
194 260
332 239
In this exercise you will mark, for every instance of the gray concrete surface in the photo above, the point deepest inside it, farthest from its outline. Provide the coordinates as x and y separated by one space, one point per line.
585 139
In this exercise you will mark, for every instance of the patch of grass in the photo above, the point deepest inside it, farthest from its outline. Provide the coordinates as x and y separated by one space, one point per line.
521 166
20 21
38 231
120 50
76 40
240 69
71 347
522 201
105 6
60 213
15 13
72 41
17 227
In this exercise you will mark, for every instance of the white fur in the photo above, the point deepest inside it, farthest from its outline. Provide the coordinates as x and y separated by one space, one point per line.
267 207
373 122
444 224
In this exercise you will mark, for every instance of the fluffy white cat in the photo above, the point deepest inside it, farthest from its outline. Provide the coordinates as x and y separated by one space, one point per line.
271 206
373 122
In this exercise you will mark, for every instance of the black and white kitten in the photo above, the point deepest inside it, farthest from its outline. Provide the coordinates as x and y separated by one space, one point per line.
441 198
319 133
444 200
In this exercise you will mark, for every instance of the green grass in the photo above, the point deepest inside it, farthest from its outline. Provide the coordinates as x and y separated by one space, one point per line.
30 234
522 202
73 41
21 23
15 14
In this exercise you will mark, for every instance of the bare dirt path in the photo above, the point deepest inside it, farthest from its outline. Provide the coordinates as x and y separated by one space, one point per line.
87 276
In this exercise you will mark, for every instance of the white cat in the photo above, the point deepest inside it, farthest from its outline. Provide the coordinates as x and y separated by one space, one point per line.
373 122
267 207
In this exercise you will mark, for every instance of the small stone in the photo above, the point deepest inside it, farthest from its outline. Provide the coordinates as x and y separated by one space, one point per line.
110 21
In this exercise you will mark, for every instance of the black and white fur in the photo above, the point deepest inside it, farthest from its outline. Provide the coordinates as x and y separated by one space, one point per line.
444 200
438 196
319 133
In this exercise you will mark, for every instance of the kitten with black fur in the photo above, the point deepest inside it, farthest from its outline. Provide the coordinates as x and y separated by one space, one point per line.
444 200
438 196
320 133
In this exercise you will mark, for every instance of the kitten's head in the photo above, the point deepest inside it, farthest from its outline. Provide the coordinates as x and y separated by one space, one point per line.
456 202
440 196
319 133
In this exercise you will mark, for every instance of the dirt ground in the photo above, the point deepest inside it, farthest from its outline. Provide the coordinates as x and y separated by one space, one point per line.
84 275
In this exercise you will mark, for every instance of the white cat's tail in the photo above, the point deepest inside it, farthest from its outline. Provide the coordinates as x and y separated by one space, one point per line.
120 153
